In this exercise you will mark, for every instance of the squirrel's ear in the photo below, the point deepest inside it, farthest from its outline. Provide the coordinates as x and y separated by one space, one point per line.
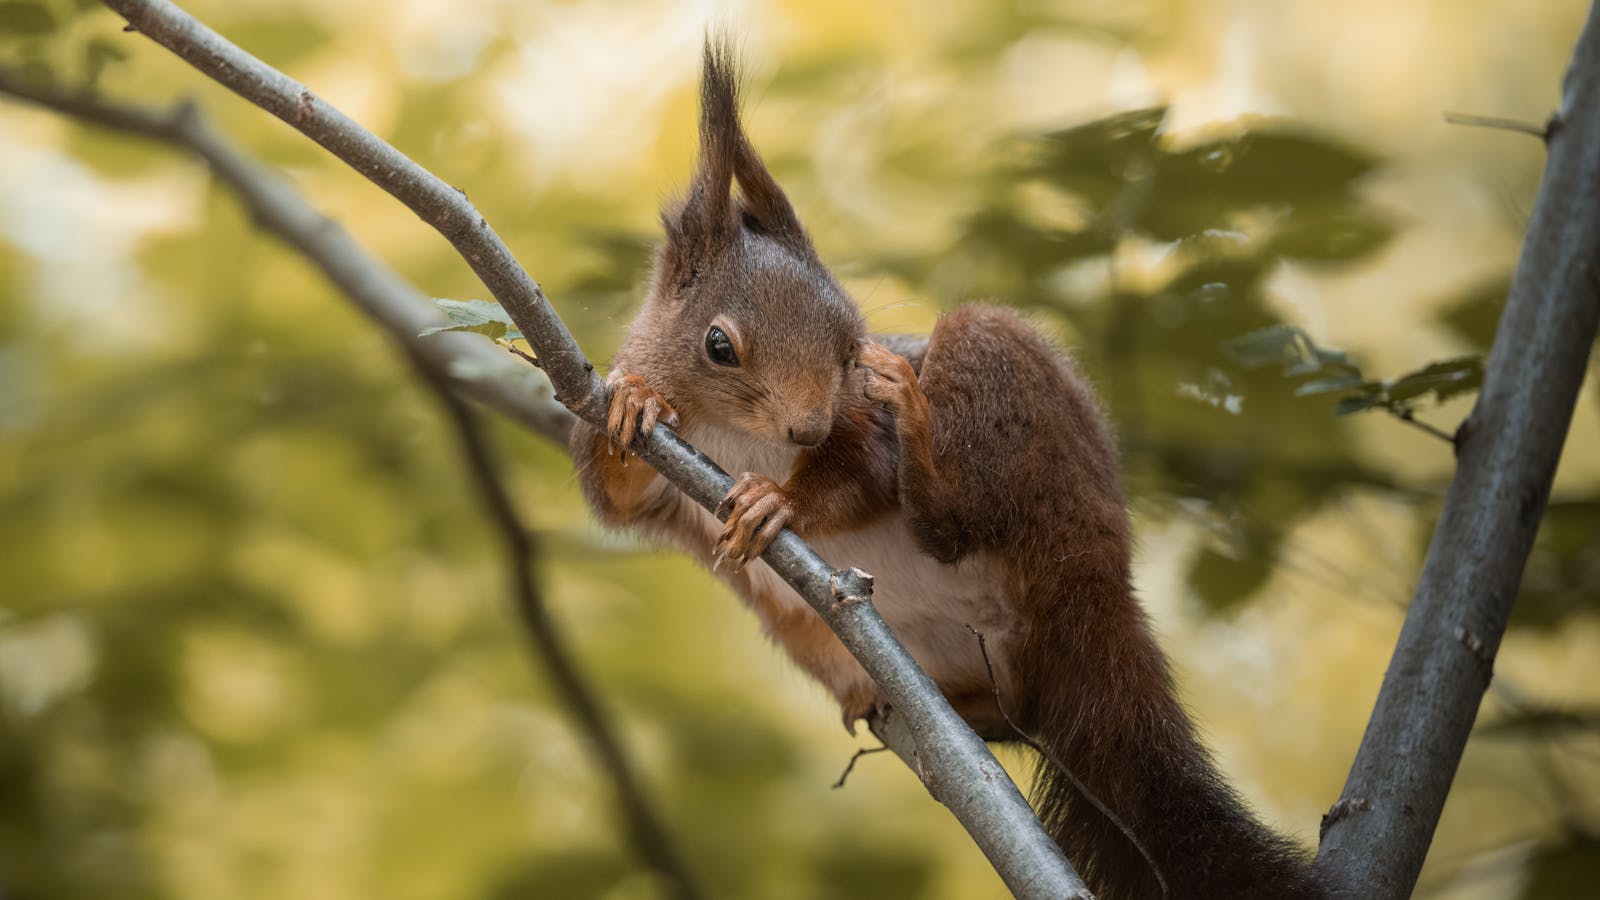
707 216
765 208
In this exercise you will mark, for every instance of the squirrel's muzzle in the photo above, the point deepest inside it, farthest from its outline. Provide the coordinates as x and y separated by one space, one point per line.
810 431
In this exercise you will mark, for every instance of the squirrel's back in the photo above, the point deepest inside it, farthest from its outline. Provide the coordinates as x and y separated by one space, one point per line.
1127 787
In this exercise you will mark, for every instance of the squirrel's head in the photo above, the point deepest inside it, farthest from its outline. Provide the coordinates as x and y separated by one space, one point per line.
762 338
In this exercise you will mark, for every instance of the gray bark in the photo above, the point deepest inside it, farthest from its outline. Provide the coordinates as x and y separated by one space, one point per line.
1376 837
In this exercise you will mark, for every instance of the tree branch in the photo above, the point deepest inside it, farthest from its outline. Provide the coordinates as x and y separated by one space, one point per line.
649 837
1542 132
954 763
1376 837
473 366
402 311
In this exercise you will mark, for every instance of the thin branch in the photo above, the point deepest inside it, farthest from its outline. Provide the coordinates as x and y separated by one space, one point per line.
1409 416
1378 833
396 306
649 836
1542 132
955 764
526 357
851 765
474 366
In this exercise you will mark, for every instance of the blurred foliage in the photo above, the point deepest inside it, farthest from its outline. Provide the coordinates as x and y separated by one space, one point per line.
1219 217
252 637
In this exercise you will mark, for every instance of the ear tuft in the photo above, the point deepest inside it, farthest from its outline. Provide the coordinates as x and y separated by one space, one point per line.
709 215
708 210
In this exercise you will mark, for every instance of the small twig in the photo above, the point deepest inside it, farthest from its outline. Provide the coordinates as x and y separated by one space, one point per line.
1542 132
1405 414
273 204
650 837
1059 766
529 358
1486 527
851 765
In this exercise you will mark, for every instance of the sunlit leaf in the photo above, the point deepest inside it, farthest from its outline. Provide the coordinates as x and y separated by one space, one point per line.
476 316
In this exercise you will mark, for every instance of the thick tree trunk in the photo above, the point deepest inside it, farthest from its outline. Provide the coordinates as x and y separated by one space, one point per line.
1376 837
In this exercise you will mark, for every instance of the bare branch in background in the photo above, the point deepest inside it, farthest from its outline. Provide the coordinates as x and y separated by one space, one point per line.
1376 837
1542 132
953 762
649 837
473 365
400 309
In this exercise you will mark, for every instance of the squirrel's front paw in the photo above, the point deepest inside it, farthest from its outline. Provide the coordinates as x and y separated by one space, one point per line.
755 510
634 408
886 376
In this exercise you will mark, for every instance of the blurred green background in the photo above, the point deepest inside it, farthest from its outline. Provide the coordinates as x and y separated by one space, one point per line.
254 640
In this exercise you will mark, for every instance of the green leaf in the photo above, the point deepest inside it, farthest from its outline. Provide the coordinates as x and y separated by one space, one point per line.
1443 379
20 17
1359 403
476 316
1275 343
1204 186
1333 384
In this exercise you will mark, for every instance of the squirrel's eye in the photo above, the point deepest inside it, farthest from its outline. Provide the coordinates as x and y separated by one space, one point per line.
719 348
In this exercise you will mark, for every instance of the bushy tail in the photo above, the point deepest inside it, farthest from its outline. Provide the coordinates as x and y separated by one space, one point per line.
1126 787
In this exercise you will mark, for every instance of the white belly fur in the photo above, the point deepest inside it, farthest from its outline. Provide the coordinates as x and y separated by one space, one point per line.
927 604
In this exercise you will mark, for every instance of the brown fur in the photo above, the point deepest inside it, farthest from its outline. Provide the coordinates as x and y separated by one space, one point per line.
989 453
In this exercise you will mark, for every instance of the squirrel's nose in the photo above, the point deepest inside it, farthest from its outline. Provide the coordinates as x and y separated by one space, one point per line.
809 434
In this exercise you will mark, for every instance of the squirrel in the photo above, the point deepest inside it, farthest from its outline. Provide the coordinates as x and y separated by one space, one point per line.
972 472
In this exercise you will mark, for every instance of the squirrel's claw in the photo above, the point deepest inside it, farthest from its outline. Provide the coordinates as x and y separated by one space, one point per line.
886 376
633 408
755 511
862 703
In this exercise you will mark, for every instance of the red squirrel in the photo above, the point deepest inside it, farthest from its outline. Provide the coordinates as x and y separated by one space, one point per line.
972 473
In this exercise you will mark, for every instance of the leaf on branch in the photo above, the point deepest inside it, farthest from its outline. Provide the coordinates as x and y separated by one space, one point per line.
1334 384
1444 379
1267 345
1358 403
1301 357
477 316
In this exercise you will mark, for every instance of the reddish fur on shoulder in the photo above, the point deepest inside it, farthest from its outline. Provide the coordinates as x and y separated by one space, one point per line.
1020 463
